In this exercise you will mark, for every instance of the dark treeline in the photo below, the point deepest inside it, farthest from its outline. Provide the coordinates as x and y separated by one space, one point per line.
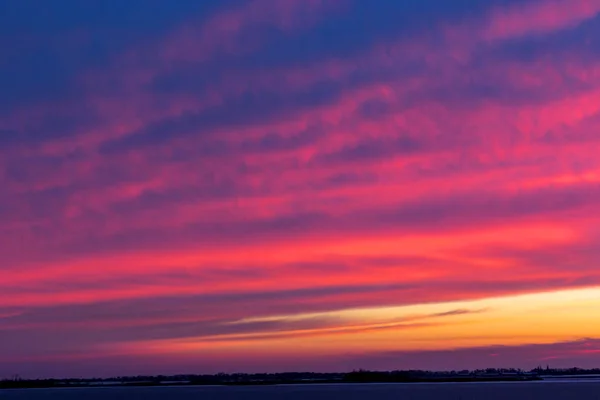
360 376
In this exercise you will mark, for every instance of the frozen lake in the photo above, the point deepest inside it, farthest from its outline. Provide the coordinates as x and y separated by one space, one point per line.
581 390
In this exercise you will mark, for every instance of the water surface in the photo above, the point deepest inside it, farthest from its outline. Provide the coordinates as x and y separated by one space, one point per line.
581 390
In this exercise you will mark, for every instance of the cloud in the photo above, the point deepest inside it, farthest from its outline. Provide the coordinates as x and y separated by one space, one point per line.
539 17
288 157
557 355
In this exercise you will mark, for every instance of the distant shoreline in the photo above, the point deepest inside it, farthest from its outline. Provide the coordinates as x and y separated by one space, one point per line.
355 377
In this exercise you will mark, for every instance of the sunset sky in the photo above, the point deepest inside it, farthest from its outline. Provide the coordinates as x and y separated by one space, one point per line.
274 185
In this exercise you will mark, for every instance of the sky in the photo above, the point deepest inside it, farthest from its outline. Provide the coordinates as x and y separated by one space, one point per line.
293 185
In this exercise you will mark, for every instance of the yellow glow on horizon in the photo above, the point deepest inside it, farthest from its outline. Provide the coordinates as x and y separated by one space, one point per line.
537 318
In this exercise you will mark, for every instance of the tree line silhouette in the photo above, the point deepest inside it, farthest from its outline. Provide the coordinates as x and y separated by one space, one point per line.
357 376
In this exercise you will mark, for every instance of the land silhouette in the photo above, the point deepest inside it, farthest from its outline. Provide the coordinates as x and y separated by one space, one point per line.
359 376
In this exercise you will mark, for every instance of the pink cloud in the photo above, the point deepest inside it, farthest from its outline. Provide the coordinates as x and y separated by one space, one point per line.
422 166
539 17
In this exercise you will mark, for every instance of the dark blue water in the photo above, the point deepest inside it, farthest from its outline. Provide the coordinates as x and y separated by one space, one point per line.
442 391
